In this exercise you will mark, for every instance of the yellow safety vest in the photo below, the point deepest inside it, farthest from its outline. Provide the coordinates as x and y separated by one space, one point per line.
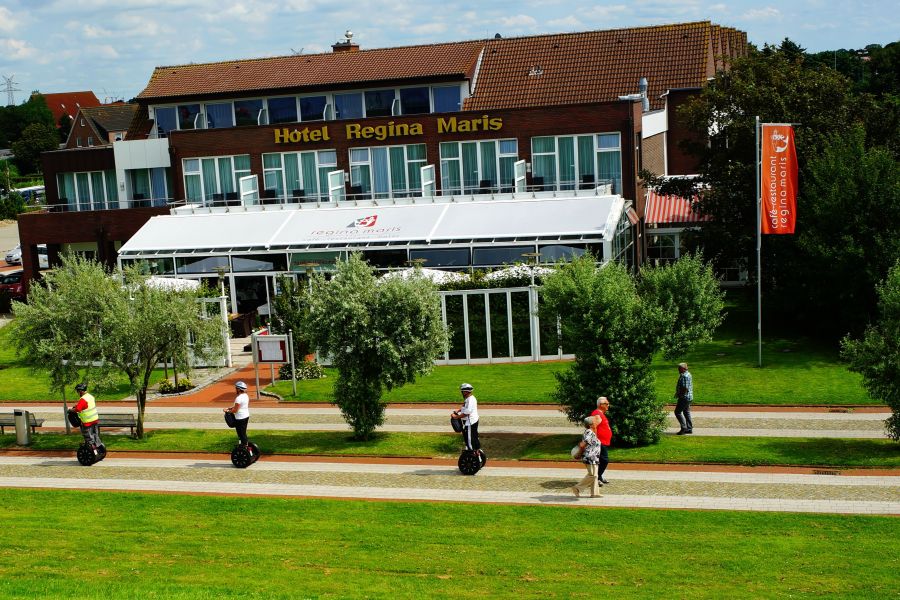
89 414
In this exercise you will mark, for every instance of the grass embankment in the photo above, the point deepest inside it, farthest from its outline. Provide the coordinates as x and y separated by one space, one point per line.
796 371
198 547
21 383
671 449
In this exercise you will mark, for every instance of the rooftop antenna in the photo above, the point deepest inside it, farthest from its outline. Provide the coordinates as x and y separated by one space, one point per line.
10 86
297 52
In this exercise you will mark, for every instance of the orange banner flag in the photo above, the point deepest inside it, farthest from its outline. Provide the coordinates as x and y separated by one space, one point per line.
778 173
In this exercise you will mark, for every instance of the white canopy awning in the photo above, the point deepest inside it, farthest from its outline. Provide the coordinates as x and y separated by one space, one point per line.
590 218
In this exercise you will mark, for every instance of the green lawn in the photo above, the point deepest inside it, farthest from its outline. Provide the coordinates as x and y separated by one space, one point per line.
672 449
197 547
20 383
795 372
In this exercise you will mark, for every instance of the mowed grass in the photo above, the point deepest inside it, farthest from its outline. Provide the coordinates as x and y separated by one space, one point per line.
197 547
671 449
21 383
795 372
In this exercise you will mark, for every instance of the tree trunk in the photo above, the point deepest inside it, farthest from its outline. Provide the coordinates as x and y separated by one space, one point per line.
141 403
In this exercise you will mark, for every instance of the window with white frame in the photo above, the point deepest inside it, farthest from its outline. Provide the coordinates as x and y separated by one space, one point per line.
623 241
662 248
208 179
150 184
299 176
282 110
573 162
473 167
386 171
91 190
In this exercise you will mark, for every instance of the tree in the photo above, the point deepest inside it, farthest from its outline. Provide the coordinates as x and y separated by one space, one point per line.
36 138
65 126
290 308
849 238
379 334
616 324
80 322
877 355
11 205
14 119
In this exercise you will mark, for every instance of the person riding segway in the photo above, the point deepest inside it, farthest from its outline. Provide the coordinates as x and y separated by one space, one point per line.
465 421
237 416
84 416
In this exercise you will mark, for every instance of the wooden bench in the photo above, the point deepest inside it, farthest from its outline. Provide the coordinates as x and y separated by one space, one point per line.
9 420
119 421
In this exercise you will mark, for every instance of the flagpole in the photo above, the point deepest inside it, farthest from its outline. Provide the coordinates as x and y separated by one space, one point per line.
758 248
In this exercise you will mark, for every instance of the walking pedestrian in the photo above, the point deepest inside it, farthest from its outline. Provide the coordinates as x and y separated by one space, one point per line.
468 412
590 456
604 434
241 410
684 395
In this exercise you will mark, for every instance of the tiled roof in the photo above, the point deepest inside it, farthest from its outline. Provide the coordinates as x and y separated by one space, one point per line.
68 103
110 117
597 66
450 61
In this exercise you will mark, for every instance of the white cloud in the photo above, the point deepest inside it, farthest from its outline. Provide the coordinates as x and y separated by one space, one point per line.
757 14
8 22
569 22
16 49
523 21
95 32
104 51
606 13
429 28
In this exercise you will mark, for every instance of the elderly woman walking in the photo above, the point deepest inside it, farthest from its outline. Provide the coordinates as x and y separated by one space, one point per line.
590 456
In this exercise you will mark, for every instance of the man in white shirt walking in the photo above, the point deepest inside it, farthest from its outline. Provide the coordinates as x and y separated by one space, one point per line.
241 410
468 412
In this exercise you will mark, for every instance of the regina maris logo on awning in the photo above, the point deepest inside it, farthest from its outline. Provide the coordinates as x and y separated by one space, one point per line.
364 222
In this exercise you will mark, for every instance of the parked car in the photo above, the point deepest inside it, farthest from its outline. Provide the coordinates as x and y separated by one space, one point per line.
14 256
11 283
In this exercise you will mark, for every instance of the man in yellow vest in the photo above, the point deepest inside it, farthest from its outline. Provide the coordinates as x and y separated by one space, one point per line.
90 420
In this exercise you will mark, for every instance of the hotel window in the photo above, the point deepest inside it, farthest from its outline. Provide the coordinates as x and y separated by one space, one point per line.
554 253
189 116
623 242
166 120
299 176
150 184
494 256
312 108
282 110
662 248
446 98
219 115
91 190
572 162
379 102
207 178
386 171
445 257
478 167
414 101
249 112
348 106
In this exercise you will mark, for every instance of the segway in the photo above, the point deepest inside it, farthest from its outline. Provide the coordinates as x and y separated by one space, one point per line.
470 461
242 456
87 454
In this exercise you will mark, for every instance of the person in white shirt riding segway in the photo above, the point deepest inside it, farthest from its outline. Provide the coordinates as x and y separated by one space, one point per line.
246 452
473 457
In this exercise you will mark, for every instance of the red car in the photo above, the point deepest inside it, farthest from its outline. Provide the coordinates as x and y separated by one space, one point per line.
11 284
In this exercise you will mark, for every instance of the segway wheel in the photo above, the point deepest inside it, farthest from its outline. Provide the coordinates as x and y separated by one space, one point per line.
469 462
101 453
483 458
86 455
241 457
254 451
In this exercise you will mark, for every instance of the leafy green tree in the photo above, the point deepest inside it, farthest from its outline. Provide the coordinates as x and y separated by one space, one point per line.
82 322
848 236
35 139
11 205
380 334
14 119
65 126
290 308
877 355
616 324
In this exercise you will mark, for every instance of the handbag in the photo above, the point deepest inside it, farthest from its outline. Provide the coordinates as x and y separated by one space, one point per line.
230 419
456 424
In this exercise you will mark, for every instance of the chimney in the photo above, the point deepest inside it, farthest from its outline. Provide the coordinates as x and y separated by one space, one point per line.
347 45
645 101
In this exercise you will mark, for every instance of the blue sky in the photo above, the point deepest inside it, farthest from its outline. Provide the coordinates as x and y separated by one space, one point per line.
112 46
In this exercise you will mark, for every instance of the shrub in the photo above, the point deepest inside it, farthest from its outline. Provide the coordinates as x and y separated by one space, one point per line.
306 370
169 387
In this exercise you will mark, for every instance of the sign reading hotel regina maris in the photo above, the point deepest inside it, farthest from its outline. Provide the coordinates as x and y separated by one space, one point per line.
778 174
358 131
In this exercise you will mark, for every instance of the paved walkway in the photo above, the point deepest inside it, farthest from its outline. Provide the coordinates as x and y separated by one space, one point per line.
757 490
547 420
